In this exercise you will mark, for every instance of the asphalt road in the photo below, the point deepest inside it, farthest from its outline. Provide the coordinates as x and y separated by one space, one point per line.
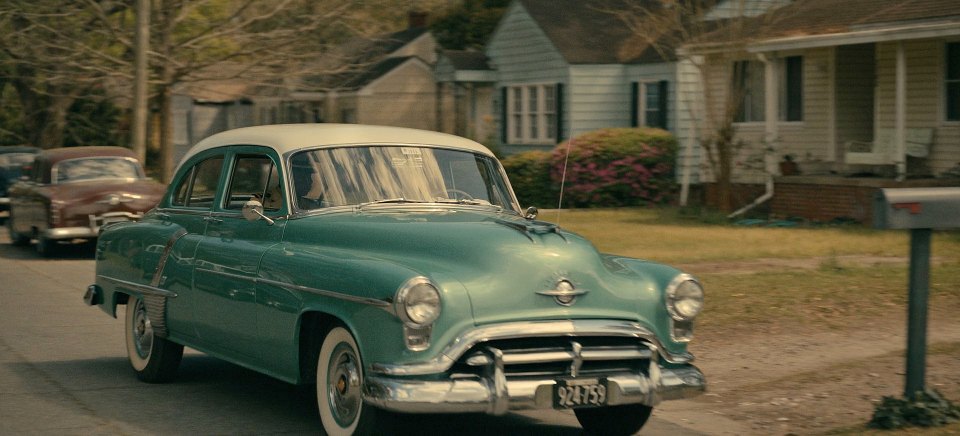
64 371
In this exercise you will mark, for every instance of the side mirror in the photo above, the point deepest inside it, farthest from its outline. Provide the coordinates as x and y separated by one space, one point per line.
253 211
531 213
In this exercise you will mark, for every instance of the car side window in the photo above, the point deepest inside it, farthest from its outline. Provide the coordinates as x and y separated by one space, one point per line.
254 177
198 188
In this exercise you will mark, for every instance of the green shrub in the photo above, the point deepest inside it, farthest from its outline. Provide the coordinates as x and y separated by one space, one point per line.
616 167
529 174
926 409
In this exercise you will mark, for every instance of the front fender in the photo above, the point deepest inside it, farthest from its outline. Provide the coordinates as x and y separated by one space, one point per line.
358 289
660 275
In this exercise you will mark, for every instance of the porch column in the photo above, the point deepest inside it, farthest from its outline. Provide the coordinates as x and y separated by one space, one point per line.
900 133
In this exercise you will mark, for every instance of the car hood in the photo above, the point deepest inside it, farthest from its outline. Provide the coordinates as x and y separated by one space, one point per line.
504 264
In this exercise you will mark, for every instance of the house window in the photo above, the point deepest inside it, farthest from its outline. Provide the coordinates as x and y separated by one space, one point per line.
749 90
651 100
532 114
952 82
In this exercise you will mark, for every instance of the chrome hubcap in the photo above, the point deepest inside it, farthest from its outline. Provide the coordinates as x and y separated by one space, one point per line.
343 385
142 331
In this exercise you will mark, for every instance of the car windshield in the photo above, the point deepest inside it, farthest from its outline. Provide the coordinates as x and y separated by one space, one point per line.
92 168
394 174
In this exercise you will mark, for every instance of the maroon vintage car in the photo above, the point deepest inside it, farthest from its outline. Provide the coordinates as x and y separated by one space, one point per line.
68 194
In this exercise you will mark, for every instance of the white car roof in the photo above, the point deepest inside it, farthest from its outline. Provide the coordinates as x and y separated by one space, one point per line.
285 138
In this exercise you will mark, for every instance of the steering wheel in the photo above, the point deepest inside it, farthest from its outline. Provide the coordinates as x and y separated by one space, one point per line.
456 194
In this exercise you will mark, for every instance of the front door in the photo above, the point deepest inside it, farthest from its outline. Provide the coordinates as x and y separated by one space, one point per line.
228 256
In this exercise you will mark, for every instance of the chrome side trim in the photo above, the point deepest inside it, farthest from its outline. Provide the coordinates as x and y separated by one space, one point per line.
530 329
158 273
138 287
156 307
362 300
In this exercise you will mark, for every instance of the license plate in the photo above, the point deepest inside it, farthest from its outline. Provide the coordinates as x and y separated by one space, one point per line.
571 393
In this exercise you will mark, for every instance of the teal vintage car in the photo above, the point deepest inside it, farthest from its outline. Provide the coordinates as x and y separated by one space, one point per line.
394 269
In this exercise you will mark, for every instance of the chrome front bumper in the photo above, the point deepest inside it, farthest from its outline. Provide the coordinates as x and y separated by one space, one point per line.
93 230
496 395
430 387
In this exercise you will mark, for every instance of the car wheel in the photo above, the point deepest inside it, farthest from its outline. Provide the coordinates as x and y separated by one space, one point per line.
16 238
339 388
614 420
155 359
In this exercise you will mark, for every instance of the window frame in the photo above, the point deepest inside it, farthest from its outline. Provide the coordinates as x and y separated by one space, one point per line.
790 88
272 176
530 119
190 178
662 107
741 79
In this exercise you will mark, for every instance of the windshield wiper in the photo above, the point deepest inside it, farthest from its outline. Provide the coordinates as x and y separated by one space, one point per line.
398 200
472 202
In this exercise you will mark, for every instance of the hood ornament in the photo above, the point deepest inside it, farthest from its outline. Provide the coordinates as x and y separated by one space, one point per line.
564 293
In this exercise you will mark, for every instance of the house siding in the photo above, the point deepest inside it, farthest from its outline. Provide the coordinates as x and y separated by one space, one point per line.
598 97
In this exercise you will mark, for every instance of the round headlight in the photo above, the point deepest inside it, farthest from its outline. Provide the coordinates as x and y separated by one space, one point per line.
684 298
418 302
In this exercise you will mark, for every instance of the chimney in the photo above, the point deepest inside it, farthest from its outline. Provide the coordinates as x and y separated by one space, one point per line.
416 19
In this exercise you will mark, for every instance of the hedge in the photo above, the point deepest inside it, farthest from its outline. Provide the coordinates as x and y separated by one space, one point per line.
605 168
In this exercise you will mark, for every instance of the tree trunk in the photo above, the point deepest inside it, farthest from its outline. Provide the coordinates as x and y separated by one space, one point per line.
51 134
166 134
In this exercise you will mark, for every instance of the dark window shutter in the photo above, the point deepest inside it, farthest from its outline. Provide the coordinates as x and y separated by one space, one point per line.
662 122
794 67
634 104
559 111
503 115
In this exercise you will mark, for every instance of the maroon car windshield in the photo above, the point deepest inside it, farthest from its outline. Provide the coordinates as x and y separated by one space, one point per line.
93 168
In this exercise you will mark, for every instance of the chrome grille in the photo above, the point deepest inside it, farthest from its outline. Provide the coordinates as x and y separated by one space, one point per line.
559 357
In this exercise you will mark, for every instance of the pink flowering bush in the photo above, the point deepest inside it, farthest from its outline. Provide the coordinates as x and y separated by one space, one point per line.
616 167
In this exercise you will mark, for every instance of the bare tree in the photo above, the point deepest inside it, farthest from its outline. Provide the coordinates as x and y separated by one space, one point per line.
54 50
707 36
38 58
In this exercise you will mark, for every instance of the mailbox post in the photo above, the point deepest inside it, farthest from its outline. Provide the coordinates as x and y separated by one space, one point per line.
920 210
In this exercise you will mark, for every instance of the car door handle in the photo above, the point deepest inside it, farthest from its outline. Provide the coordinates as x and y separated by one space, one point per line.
212 220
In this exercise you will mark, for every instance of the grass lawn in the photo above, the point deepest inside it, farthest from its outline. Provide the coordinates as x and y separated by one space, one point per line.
665 235
827 296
